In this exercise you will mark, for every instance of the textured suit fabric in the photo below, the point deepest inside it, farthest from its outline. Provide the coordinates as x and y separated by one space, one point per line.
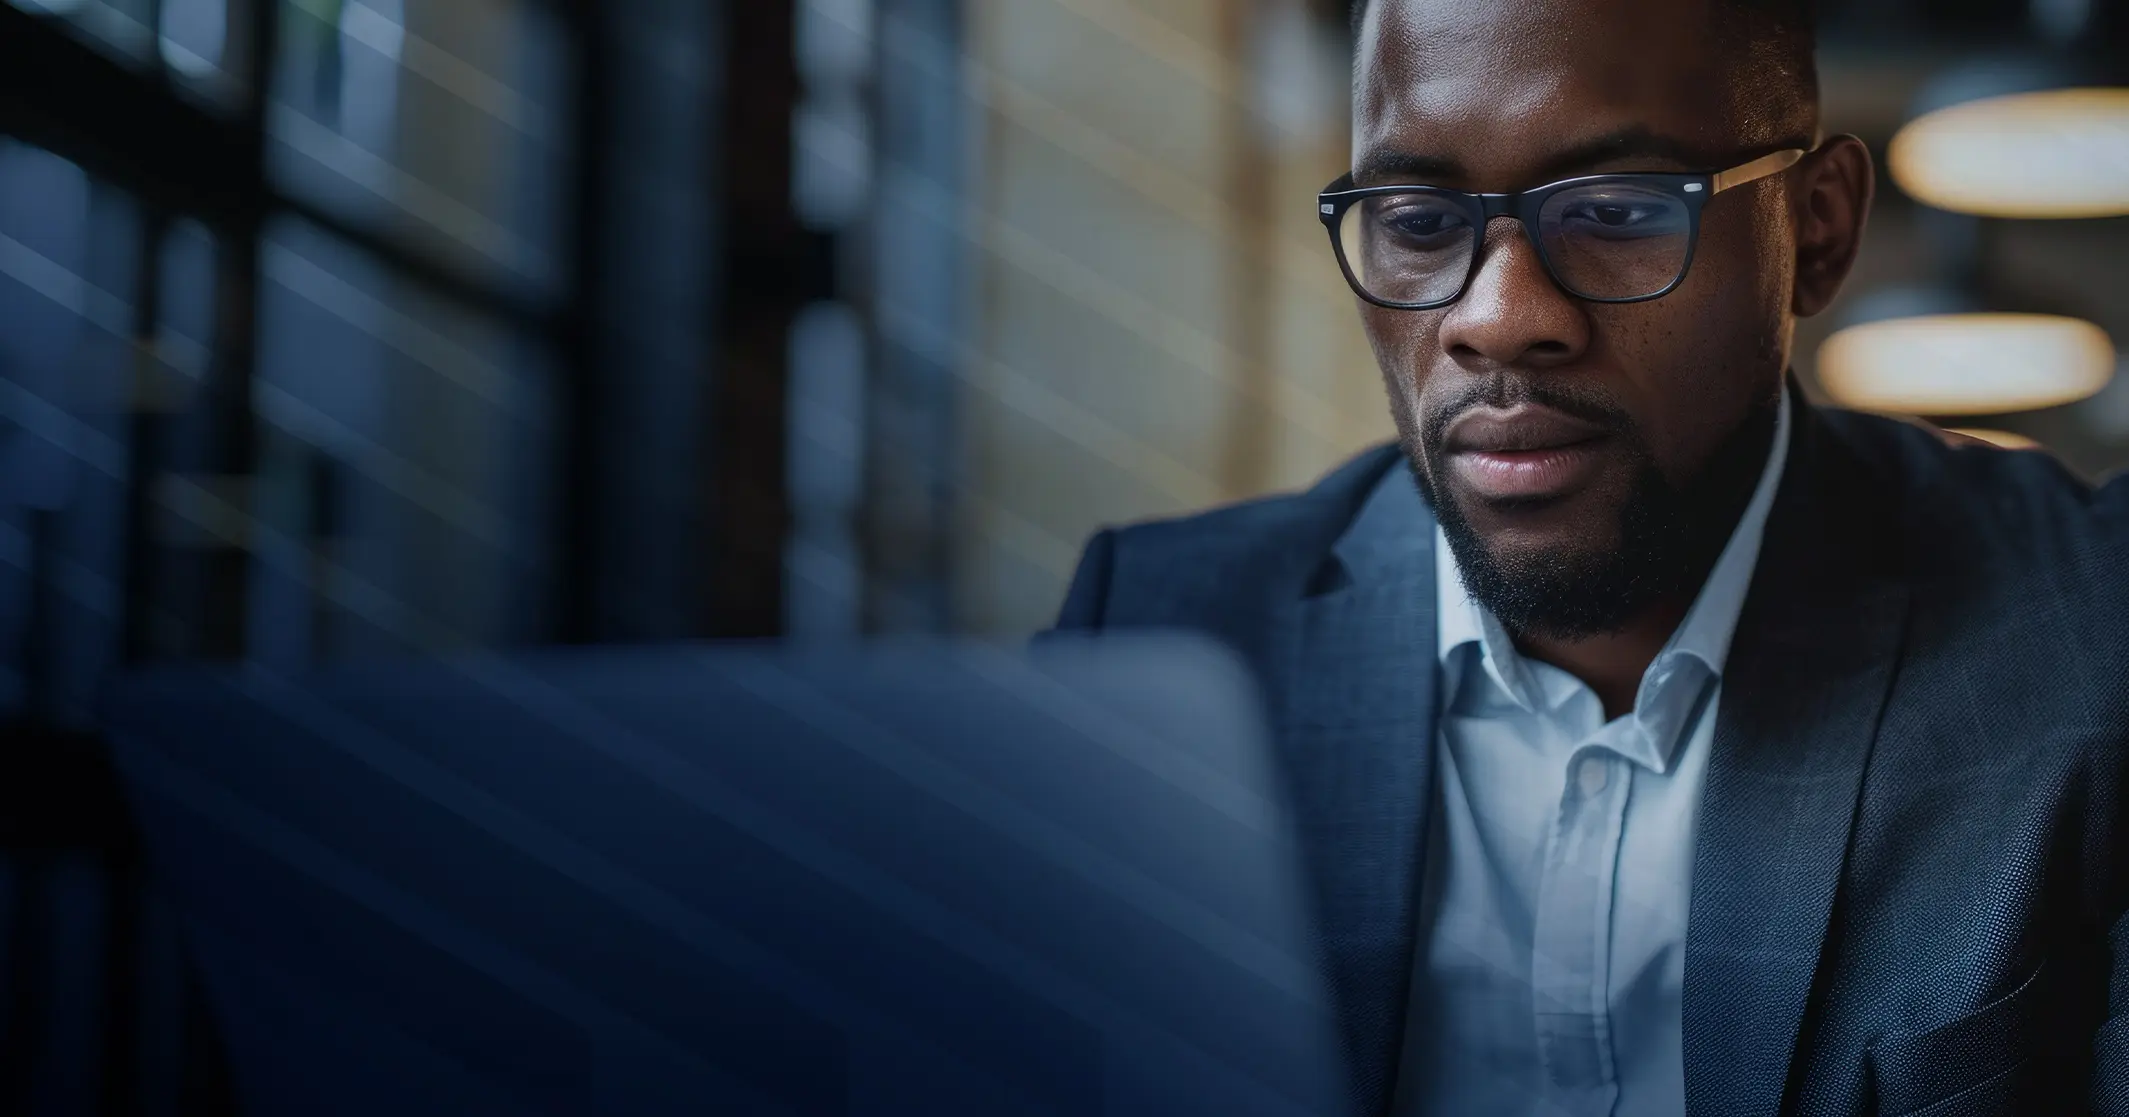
1912 864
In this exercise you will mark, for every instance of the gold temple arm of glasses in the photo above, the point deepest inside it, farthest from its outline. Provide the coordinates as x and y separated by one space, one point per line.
1757 169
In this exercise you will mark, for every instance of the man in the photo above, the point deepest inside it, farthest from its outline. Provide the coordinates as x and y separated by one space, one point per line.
1672 744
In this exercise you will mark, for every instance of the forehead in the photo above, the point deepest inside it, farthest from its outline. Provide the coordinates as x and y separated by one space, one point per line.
1497 88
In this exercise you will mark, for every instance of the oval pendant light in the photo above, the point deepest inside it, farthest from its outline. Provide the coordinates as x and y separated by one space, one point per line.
2057 153
1965 364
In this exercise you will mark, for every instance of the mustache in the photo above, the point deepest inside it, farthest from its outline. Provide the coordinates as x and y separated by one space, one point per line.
1503 391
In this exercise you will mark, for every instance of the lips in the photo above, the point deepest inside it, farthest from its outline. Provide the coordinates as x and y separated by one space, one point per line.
1524 427
1526 452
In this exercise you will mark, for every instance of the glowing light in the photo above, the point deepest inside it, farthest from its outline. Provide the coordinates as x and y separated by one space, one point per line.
2058 153
1965 364
2001 439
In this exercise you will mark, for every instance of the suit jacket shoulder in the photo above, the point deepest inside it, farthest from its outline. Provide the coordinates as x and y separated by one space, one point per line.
2010 515
1193 571
2017 566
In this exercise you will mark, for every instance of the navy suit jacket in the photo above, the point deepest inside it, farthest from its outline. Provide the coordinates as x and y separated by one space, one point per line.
1912 867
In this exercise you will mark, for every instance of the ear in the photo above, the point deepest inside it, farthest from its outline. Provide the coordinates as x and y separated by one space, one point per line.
1833 191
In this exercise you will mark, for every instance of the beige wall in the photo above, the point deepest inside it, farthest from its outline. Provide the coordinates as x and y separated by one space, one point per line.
1158 324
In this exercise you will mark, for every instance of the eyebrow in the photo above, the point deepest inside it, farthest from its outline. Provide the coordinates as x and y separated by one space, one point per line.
1635 142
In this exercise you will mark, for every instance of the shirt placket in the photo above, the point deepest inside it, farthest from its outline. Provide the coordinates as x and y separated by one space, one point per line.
1571 946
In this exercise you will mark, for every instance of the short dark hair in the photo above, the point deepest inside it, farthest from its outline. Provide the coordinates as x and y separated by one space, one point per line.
1782 35
1798 17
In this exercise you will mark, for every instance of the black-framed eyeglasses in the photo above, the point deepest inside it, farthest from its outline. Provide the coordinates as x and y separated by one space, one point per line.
1610 238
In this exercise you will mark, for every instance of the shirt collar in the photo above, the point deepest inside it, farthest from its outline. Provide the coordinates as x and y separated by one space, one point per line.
1674 685
1464 623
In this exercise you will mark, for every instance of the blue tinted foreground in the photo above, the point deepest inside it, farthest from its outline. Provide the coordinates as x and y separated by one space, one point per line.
915 879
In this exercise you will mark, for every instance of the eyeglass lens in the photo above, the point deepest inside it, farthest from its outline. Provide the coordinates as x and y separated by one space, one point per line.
1603 240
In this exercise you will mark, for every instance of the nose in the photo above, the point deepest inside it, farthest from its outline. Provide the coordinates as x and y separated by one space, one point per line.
1513 315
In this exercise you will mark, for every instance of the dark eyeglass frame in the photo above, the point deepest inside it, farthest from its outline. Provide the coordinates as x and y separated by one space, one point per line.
1694 189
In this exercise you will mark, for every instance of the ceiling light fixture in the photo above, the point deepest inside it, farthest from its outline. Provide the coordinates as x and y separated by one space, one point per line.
2057 153
1965 364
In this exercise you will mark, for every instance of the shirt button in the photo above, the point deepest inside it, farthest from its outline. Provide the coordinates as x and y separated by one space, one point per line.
1591 775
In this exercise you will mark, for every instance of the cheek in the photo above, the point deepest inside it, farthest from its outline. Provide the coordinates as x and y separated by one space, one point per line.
1698 359
1402 341
1750 260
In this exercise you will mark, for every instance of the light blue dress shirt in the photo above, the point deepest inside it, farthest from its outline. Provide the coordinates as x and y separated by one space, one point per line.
1552 944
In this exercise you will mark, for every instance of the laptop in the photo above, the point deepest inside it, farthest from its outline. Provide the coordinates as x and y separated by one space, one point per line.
896 879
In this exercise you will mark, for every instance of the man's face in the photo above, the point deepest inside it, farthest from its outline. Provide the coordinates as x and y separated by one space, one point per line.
1583 457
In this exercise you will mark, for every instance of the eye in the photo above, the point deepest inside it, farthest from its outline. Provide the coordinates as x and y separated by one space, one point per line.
1623 217
1418 226
1614 216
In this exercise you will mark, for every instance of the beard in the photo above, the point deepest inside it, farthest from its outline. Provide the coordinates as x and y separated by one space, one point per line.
1667 539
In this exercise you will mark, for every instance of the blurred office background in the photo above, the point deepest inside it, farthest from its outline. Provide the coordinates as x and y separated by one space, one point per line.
332 328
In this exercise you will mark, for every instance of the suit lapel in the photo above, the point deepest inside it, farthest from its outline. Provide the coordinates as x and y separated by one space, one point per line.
1805 682
1357 719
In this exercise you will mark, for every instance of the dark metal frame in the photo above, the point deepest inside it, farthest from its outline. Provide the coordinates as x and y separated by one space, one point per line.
129 125
1693 189
772 267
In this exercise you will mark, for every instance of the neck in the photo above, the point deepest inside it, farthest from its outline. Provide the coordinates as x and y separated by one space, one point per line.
1612 664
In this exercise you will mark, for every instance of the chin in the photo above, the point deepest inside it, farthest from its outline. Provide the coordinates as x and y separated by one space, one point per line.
1584 521
1546 556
